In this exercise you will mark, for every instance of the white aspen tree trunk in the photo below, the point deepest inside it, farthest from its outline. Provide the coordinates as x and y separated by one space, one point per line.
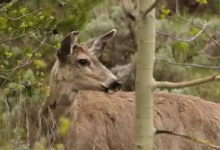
144 76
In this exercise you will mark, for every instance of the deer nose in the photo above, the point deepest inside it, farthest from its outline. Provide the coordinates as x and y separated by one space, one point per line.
115 85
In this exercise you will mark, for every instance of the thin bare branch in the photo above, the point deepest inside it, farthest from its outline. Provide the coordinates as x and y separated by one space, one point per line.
172 85
24 63
194 139
185 40
15 38
129 10
17 144
12 2
187 64
195 25
25 15
3 77
132 30
41 42
23 33
210 57
150 8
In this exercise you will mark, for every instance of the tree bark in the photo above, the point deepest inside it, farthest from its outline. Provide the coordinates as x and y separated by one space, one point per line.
144 76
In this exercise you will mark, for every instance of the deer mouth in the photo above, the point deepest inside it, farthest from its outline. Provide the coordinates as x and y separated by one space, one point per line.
115 86
105 88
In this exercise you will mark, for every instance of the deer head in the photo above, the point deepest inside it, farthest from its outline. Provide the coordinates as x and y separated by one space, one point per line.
78 66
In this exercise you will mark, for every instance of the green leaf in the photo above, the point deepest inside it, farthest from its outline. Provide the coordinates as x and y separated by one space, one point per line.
202 1
2 66
180 51
166 11
194 31
42 17
29 76
23 25
29 55
162 16
8 54
64 125
4 23
23 10
184 45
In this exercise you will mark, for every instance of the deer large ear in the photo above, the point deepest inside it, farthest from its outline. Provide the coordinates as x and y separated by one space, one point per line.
67 45
100 43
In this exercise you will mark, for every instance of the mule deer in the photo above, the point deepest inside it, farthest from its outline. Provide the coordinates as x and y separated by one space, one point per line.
106 122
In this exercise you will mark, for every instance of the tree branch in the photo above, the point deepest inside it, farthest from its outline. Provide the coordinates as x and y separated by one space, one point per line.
15 38
189 138
23 34
25 15
171 85
191 22
150 8
24 64
187 64
129 9
185 40
42 42
12 2
210 57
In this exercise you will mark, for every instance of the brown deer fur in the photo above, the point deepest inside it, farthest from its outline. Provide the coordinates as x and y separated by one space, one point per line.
102 121
106 122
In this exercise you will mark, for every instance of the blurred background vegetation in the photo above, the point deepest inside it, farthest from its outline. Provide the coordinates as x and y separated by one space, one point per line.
30 32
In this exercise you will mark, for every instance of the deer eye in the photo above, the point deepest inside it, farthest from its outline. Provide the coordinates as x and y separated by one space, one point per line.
83 62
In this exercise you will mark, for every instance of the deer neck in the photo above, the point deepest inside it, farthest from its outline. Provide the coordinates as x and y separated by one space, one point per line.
63 95
62 88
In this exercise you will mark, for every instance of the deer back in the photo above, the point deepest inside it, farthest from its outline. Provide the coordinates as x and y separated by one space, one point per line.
107 122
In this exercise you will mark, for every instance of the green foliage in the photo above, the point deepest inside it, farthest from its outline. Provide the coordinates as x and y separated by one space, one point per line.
121 49
180 51
164 11
202 1
64 124
30 32
40 145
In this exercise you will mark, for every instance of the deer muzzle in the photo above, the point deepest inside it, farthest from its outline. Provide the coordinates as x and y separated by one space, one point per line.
114 85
